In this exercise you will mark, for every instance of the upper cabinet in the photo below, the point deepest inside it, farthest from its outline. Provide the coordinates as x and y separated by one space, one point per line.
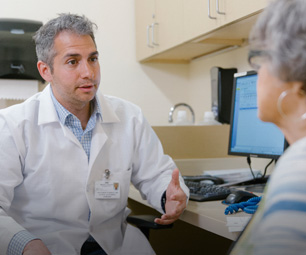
203 16
169 15
234 10
200 17
181 30
145 19
158 25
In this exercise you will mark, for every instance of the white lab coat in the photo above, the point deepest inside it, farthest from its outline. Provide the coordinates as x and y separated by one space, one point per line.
47 184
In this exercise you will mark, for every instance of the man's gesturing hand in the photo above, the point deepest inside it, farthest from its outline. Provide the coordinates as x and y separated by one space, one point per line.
176 201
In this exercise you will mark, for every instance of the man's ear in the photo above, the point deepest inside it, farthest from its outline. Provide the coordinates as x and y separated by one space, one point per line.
44 70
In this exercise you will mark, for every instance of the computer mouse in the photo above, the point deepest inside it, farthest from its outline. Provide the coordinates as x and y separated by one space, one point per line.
238 196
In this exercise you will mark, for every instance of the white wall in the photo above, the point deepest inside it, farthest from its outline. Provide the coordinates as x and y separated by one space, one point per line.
154 87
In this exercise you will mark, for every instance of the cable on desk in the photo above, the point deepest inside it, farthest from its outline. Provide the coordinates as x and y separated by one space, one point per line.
249 163
267 168
249 206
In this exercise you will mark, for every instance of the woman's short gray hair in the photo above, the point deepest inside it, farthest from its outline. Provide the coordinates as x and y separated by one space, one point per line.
281 32
44 37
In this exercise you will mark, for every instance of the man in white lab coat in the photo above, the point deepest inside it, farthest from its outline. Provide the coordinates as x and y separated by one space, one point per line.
68 155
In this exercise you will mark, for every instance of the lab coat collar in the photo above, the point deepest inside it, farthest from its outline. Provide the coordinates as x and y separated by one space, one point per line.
47 111
108 113
99 137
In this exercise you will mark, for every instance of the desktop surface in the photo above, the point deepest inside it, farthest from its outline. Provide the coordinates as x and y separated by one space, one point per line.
207 215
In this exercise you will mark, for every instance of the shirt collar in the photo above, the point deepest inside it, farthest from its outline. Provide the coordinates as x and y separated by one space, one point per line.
63 113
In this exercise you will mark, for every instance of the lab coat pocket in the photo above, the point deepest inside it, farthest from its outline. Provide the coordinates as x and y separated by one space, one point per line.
123 179
119 182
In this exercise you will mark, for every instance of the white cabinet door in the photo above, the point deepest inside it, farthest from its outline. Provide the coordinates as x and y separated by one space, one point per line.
169 27
204 16
159 26
199 18
145 17
235 10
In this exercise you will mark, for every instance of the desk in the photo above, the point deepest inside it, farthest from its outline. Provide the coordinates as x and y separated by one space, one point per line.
205 215
202 226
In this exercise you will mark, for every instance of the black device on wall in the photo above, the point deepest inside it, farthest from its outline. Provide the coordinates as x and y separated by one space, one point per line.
221 90
17 49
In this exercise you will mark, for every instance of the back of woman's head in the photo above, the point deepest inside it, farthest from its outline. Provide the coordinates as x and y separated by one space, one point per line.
280 32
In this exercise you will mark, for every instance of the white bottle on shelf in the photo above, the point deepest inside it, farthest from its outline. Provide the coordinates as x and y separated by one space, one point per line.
182 119
209 119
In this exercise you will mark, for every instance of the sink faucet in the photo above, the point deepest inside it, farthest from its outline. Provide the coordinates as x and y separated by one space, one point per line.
177 105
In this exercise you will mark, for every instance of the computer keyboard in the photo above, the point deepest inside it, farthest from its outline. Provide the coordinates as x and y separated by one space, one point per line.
201 191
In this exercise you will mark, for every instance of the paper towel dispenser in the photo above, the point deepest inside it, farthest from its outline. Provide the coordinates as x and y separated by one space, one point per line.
18 58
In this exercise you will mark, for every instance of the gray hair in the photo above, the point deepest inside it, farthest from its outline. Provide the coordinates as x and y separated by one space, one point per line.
44 37
281 32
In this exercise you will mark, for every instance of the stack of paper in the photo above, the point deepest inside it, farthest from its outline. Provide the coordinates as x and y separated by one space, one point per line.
234 175
237 224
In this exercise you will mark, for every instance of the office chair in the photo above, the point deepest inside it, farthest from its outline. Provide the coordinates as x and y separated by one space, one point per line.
145 223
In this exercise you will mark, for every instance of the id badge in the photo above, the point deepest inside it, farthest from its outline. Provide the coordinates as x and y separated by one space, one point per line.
107 190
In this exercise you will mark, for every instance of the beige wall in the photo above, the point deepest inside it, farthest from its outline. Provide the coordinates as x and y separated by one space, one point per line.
154 87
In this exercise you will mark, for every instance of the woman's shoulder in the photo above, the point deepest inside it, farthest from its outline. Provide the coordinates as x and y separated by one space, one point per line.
294 155
289 176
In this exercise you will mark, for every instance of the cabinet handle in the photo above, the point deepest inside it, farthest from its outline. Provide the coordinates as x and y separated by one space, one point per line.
217 8
148 36
208 8
153 32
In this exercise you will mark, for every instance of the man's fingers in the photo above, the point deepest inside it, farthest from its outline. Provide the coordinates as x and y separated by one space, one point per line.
164 220
175 177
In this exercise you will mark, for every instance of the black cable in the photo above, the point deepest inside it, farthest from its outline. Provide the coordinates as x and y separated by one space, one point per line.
267 168
249 163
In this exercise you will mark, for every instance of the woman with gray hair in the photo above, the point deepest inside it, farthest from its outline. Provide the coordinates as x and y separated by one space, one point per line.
278 53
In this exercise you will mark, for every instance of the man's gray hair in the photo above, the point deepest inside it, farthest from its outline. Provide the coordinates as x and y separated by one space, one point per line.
44 37
281 32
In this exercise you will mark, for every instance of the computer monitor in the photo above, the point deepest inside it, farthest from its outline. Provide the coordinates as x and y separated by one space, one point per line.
249 136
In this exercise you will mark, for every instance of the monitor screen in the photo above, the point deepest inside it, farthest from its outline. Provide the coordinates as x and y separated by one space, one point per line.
249 136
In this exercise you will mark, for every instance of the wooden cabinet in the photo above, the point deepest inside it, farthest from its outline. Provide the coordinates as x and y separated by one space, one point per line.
169 15
235 10
158 26
181 30
199 18
203 16
145 17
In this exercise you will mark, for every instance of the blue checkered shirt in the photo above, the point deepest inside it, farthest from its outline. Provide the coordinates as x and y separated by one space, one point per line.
74 124
19 241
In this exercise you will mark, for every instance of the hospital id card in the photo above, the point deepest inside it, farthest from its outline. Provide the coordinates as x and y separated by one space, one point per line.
107 190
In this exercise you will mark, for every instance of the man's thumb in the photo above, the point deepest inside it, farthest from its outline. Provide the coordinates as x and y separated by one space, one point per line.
175 177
